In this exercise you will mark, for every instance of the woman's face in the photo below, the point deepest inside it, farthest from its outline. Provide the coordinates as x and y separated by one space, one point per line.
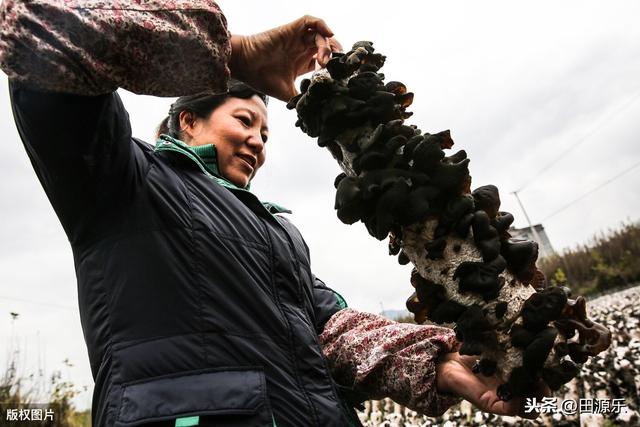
238 129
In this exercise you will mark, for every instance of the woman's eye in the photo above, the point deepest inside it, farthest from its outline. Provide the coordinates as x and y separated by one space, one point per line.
264 138
245 120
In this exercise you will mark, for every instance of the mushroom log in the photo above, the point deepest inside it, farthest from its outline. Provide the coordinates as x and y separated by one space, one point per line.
469 273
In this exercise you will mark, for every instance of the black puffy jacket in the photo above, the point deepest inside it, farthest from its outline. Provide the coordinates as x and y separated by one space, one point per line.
195 299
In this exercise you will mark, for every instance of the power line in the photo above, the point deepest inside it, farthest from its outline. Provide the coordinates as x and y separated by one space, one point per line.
531 227
609 181
580 140
39 303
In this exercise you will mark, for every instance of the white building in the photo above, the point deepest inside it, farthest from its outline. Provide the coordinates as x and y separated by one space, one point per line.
544 245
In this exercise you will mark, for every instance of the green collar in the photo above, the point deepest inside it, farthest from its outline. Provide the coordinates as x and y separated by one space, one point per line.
205 157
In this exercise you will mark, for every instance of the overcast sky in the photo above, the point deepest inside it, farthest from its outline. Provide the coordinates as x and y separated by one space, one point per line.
517 83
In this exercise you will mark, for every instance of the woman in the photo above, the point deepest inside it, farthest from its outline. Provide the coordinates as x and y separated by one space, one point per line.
197 301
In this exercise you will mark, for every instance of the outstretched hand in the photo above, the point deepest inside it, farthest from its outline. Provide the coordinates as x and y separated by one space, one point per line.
454 375
270 61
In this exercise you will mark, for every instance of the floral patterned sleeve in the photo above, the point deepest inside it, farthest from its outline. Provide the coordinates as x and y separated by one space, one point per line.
381 358
91 47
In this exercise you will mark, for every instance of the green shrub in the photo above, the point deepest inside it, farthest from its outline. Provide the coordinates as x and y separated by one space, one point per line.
606 262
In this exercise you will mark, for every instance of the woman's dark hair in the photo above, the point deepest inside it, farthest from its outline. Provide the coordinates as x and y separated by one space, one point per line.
201 105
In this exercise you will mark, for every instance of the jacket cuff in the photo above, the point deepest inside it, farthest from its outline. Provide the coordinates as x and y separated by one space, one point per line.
381 358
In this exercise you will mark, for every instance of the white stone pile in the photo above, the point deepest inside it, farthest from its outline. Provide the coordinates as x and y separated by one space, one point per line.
614 374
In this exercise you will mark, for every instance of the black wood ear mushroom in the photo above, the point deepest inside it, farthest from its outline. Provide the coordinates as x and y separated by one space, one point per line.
468 272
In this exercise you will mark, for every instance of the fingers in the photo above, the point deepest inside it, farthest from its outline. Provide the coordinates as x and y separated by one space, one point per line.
531 415
318 25
482 392
324 50
469 361
454 376
335 45
322 38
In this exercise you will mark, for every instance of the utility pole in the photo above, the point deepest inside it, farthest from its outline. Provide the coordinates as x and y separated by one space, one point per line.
533 230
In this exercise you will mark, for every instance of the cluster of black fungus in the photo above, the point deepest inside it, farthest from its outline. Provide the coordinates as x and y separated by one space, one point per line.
593 337
475 332
479 212
403 177
545 315
537 339
431 299
325 109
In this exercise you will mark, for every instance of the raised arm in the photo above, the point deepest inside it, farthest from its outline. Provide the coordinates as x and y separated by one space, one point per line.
91 47
64 60
162 48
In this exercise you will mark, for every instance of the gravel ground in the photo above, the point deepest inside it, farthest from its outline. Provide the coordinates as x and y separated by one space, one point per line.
614 374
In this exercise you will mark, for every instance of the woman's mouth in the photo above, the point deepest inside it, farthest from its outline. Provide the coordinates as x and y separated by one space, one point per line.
248 159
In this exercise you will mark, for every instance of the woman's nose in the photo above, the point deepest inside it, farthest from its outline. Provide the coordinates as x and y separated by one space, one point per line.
255 142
